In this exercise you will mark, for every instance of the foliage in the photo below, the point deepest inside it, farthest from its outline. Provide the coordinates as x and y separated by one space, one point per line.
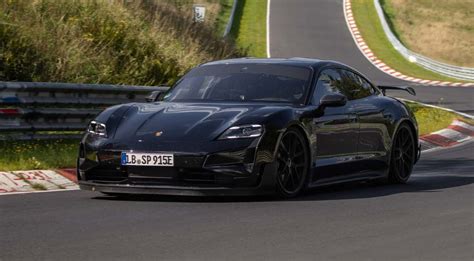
47 154
118 42
432 119
249 28
224 15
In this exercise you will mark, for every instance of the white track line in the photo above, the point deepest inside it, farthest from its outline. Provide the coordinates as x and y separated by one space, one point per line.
344 2
268 28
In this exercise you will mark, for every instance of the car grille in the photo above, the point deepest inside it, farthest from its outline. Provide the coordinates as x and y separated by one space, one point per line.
173 176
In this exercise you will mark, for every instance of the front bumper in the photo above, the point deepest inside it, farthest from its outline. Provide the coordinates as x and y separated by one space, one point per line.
230 167
265 186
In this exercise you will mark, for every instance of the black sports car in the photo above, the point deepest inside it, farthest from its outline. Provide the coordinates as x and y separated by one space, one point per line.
252 126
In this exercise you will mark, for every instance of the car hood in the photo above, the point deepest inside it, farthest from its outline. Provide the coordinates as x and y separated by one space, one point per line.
186 122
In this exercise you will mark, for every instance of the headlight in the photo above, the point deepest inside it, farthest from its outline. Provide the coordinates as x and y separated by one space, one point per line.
97 128
244 131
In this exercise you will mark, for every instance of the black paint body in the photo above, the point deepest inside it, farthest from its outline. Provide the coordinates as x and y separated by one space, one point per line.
346 143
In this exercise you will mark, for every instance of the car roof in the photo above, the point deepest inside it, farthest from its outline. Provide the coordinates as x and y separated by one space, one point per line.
295 61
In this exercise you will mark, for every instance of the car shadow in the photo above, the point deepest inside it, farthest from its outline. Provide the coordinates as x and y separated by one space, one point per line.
346 191
430 176
428 184
189 199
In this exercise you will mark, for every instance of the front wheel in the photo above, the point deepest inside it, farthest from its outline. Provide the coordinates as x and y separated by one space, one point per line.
293 162
403 155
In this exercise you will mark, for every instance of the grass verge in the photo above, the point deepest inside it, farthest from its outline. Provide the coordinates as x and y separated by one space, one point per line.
28 155
443 30
46 154
137 42
250 27
433 119
223 16
369 25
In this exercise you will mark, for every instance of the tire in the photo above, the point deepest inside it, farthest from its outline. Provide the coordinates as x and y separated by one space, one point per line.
402 156
293 164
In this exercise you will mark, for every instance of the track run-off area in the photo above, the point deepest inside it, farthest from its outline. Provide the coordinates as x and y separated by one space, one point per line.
430 218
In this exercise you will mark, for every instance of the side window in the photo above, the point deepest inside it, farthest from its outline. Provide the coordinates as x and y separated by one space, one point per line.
329 81
356 86
367 86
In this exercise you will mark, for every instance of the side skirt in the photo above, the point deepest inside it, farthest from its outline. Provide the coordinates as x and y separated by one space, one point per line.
368 175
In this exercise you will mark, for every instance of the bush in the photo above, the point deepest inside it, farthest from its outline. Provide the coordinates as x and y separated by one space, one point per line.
103 41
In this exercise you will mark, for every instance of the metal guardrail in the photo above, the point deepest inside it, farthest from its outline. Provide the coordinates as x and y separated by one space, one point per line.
231 19
58 110
464 73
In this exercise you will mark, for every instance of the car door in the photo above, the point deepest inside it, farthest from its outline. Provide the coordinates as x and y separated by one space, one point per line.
373 133
336 131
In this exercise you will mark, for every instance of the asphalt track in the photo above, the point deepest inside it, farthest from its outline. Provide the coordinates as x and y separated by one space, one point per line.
317 29
430 218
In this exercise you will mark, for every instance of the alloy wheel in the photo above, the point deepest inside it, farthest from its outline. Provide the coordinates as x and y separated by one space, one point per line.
403 154
292 163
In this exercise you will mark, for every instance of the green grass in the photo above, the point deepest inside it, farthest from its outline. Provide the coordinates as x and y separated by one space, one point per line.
26 155
37 186
223 15
442 30
249 28
137 42
369 25
432 119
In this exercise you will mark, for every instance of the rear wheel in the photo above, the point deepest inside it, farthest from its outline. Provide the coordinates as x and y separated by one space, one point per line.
403 155
293 162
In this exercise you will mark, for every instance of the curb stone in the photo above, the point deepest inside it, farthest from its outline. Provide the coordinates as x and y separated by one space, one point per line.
28 181
456 133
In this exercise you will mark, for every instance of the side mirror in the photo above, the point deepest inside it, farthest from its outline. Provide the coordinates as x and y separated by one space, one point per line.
153 97
333 100
156 95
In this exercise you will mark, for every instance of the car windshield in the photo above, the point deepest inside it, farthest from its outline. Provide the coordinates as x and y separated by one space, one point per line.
243 82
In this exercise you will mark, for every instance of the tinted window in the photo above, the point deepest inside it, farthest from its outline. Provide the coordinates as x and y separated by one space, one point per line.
243 82
366 85
356 86
329 81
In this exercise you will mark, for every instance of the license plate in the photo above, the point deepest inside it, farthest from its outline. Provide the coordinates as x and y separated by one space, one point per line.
147 159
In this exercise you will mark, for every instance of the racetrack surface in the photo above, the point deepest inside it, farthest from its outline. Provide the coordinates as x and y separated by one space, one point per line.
317 29
430 218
